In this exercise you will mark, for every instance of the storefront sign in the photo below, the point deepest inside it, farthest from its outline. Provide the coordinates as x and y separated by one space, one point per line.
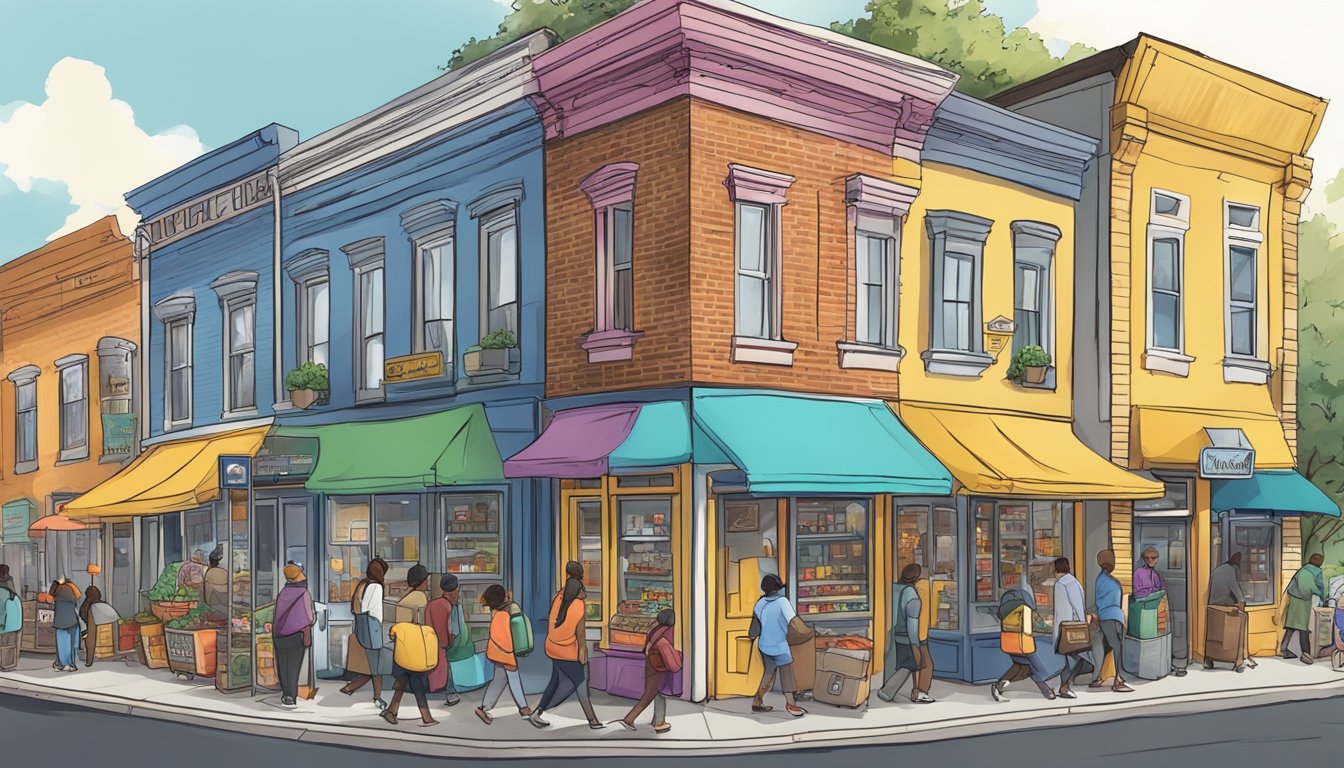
118 434
235 471
209 209
17 516
284 466
426 365
997 333
1226 463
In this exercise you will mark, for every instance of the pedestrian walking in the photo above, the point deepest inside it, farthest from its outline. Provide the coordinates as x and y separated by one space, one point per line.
1110 618
1308 582
499 650
364 656
293 632
6 580
415 648
1226 597
770 619
661 661
908 654
1016 611
1068 601
444 616
567 648
11 621
65 596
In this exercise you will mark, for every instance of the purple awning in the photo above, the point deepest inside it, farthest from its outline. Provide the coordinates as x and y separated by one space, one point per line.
576 444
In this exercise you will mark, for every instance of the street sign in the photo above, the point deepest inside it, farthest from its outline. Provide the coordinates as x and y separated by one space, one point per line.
235 472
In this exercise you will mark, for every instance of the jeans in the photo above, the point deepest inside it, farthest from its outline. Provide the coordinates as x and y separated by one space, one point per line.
289 653
1111 632
768 677
504 678
67 645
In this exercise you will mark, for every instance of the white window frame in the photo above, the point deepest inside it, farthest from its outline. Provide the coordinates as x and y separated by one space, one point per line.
1172 360
236 291
308 269
179 309
888 231
307 318
78 365
1242 367
26 377
767 274
767 190
496 221
961 236
366 257
1034 246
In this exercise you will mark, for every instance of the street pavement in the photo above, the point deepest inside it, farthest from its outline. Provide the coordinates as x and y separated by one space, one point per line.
34 732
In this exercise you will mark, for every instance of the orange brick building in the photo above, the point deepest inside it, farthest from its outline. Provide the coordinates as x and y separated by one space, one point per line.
69 329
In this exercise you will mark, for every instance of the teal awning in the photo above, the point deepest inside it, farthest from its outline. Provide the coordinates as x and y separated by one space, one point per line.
1283 493
801 444
660 437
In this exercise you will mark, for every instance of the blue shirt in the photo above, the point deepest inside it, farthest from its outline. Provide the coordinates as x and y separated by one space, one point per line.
1109 596
775 612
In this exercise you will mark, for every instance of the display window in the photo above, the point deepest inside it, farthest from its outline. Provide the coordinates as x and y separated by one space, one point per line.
396 539
645 583
471 533
1016 543
1258 542
831 560
926 535
347 545
588 518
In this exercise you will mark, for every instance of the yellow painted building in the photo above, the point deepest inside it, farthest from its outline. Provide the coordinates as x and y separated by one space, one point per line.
69 323
1193 209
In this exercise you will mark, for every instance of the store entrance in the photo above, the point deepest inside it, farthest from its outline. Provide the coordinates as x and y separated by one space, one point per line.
122 584
1170 537
750 533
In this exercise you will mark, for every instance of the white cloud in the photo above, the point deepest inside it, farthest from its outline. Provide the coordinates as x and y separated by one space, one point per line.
85 139
1294 43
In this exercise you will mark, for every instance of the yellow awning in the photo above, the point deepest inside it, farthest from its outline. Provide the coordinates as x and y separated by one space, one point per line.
1172 437
169 477
997 454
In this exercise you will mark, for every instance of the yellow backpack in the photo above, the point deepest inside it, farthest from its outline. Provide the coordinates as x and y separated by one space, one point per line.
1016 637
416 647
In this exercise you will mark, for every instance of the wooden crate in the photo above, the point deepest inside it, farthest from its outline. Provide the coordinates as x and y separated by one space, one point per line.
268 675
153 648
105 641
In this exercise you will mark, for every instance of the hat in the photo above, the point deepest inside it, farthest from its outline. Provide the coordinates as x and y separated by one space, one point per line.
293 572
448 583
417 575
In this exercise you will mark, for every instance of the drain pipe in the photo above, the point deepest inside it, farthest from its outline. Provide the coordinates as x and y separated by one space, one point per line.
277 316
140 393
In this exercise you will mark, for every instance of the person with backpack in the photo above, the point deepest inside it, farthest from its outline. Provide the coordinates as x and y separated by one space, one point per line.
567 647
293 632
364 656
11 621
65 596
770 619
502 651
415 648
908 658
93 613
444 616
1016 611
661 661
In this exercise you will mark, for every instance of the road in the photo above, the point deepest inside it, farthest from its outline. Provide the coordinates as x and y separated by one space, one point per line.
40 733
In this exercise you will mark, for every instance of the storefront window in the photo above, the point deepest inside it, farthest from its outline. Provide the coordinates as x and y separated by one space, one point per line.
1016 544
832 558
588 517
198 530
471 540
172 538
22 561
750 548
934 550
396 526
644 525
1047 543
347 546
1257 541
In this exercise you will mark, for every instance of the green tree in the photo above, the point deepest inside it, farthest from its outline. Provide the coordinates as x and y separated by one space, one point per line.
963 38
566 18
1320 392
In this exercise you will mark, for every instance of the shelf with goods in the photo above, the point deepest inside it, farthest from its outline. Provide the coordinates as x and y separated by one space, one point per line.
984 559
831 561
646 579
472 550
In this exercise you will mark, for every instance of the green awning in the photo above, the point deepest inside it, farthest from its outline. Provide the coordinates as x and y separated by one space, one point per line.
1283 493
453 447
803 444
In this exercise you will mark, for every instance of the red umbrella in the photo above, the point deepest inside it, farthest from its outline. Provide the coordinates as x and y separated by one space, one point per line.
54 523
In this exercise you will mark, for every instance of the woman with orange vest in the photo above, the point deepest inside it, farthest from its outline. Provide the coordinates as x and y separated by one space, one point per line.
566 645
499 650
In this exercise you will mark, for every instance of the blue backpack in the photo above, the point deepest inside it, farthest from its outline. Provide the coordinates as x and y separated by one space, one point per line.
12 616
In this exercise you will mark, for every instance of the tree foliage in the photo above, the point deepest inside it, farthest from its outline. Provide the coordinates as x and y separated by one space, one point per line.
963 38
565 18
1320 394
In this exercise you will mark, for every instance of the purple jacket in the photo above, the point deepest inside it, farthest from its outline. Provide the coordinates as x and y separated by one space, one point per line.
1147 581
294 612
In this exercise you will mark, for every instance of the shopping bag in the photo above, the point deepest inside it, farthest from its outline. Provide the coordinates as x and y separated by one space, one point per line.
1074 637
798 632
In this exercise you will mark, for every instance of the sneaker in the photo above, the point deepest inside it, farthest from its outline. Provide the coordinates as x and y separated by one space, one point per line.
596 725
996 692
289 703
536 721
924 698
73 668
1308 660
881 694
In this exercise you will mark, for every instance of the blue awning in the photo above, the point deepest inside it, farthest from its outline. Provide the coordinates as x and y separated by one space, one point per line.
1283 493
803 444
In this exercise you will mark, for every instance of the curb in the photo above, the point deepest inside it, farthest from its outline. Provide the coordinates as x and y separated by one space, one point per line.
462 747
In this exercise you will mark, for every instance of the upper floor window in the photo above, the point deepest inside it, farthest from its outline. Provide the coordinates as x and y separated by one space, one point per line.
366 262
878 276
74 398
312 289
177 313
25 418
432 229
499 238
759 198
1033 283
611 191
237 293
957 243
1242 233
116 397
1168 222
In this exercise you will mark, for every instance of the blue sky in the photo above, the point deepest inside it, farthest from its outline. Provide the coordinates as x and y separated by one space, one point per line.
224 69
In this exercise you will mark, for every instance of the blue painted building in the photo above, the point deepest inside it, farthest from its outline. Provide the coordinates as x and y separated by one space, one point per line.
412 267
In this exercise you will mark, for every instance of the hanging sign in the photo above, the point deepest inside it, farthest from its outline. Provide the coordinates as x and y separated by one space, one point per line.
427 365
1217 463
235 472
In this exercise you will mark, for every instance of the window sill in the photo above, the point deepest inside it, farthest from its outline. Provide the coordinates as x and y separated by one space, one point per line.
363 396
947 362
1167 361
114 458
174 426
71 457
870 357
1048 384
25 467
764 351
610 346
1245 370
250 413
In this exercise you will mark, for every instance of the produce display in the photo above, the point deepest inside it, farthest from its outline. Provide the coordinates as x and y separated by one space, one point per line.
166 589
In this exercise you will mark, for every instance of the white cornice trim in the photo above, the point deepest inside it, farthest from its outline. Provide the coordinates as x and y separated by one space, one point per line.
209 429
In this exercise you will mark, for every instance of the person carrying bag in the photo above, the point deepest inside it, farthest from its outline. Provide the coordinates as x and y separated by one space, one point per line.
366 658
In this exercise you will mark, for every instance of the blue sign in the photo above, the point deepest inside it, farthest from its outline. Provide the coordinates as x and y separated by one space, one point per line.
235 472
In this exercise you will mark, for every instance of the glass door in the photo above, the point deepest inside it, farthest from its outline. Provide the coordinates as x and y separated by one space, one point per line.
750 532
1171 540
588 528
122 596
927 536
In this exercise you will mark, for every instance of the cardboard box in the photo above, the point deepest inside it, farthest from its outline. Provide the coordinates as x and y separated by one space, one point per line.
804 665
1225 634
843 677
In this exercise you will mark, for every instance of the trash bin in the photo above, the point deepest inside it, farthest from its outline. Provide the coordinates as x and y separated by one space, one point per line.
1148 616
1148 659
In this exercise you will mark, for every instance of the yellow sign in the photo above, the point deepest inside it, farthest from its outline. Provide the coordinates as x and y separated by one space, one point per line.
997 333
426 365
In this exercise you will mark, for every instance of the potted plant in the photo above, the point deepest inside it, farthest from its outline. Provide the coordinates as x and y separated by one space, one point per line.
307 384
471 360
494 351
1030 365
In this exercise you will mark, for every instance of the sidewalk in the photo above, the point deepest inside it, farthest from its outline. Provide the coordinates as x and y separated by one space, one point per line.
719 727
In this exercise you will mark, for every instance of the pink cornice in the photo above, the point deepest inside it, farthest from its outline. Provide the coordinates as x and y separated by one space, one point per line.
753 185
611 184
879 196
728 54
